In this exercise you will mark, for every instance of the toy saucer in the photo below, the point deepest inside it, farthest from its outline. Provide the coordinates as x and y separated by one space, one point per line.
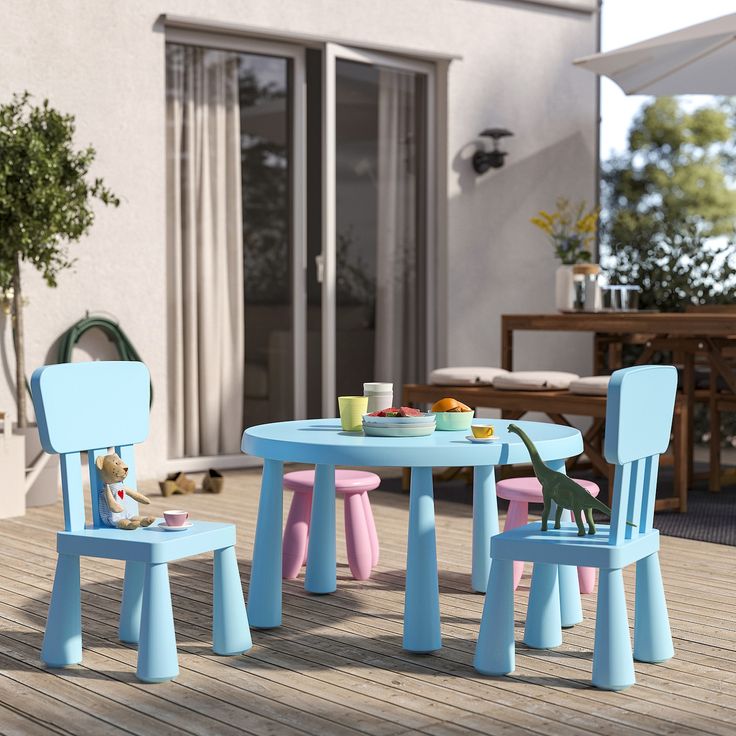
187 525
482 440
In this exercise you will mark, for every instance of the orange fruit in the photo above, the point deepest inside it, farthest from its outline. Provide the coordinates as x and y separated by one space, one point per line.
449 404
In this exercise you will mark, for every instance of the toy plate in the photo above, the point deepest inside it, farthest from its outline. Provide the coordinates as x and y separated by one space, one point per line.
482 440
425 418
398 431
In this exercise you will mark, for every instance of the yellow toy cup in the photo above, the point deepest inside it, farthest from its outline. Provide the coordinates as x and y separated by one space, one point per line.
482 431
352 409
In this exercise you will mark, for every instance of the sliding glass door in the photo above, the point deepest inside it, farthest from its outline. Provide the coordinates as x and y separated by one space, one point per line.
275 311
377 113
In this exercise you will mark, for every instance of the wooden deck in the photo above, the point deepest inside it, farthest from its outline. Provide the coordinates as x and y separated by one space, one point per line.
336 665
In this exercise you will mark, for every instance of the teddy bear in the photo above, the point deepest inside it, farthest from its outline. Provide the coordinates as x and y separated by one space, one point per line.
111 503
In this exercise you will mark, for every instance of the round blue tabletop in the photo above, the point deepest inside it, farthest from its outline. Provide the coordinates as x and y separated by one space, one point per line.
322 441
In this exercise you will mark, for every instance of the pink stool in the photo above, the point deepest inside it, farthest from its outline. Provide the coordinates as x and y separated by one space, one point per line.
520 492
361 539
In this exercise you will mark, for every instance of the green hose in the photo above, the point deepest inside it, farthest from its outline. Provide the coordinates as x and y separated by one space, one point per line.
112 329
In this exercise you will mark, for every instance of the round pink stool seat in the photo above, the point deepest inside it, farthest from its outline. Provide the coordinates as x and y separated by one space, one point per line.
529 490
346 481
520 492
361 538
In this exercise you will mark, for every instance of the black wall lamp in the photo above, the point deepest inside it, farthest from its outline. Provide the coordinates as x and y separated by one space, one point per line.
494 159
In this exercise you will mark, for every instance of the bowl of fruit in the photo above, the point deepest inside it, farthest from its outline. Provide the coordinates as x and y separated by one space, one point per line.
452 415
402 421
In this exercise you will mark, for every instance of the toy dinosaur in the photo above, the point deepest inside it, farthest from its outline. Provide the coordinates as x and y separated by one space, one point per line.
564 491
112 472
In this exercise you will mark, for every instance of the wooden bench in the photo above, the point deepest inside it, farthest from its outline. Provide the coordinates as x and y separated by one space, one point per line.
558 406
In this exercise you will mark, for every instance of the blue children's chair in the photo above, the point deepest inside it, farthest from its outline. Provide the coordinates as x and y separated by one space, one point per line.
641 401
96 407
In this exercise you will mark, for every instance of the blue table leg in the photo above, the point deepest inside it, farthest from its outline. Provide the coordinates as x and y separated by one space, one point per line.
264 591
571 610
485 524
321 562
422 601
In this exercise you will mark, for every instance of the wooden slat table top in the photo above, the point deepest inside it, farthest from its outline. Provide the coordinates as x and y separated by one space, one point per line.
336 665
659 323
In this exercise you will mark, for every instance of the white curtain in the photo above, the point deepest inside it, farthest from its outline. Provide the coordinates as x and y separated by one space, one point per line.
205 252
396 282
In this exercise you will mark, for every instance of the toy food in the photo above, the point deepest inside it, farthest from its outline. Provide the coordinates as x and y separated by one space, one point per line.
392 411
481 431
449 404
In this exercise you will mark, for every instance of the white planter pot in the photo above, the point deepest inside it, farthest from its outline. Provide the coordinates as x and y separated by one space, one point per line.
12 472
41 470
564 289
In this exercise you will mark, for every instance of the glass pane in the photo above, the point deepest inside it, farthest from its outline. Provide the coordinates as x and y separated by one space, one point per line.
229 233
379 152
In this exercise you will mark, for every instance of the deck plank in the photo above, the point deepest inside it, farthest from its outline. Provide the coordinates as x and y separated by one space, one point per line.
336 665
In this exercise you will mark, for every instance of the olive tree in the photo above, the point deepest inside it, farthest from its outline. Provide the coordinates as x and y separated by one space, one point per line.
46 199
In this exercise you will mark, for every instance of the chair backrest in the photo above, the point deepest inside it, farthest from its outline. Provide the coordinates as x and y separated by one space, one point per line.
640 406
91 407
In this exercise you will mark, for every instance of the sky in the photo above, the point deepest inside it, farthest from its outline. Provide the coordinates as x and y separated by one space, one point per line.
628 21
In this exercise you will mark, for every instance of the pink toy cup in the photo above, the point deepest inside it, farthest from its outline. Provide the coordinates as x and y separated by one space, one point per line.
176 518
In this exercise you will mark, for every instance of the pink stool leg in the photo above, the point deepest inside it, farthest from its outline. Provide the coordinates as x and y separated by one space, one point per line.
357 538
518 515
586 579
294 547
372 534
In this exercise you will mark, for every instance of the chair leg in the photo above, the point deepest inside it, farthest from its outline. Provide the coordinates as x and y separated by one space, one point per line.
543 628
294 546
586 579
571 609
518 515
357 538
494 652
130 609
62 641
613 665
372 533
652 636
230 630
157 660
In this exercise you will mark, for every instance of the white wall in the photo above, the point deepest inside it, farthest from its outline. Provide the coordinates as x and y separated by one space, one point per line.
103 60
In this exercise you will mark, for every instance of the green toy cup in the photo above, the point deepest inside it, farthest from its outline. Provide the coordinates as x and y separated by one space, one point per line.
352 409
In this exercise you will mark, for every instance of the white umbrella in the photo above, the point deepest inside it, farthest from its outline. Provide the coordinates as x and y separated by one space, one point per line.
699 59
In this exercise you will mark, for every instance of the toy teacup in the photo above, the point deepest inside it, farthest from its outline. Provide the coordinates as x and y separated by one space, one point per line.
482 431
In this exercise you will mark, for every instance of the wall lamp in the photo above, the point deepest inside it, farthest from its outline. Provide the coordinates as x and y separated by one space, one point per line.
494 159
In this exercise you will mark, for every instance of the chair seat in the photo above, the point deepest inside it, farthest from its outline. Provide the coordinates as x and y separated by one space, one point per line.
346 481
529 490
563 546
150 545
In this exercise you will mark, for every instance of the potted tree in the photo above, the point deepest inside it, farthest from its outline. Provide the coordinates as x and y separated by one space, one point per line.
46 199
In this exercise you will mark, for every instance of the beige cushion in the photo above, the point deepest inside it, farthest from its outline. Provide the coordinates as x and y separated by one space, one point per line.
464 376
534 380
591 385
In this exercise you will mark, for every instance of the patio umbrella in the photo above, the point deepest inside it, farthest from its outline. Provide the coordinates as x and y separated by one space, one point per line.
699 59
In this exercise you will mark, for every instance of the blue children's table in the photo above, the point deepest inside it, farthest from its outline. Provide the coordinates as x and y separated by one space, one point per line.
321 442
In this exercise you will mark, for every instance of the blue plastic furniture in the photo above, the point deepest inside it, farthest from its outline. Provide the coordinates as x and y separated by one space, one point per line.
93 407
641 402
322 442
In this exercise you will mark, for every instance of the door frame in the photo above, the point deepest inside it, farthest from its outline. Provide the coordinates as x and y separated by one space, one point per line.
331 53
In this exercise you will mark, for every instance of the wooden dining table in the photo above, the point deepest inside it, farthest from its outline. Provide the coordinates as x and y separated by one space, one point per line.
708 337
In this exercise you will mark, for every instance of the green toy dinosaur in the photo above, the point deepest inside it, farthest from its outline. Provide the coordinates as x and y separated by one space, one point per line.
564 491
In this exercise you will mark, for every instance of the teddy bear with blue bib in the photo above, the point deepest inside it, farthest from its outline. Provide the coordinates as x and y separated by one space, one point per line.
113 510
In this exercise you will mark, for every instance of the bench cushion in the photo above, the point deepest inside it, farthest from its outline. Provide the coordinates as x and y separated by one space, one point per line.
590 386
465 376
534 381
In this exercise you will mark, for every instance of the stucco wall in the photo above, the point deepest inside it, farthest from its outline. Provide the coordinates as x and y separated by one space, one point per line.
103 60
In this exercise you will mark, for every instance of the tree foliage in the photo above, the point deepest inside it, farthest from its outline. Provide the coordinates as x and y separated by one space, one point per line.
45 203
669 223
